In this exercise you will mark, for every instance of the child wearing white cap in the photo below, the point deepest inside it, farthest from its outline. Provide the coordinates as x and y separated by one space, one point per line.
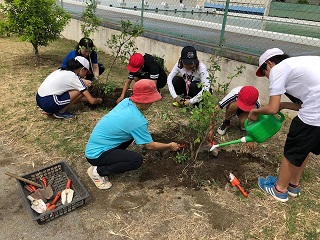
299 77
65 87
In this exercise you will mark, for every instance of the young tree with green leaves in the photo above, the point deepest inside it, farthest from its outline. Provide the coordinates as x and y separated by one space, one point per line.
123 45
198 127
34 21
90 19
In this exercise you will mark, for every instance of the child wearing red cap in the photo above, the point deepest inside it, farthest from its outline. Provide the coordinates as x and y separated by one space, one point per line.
144 67
239 101
106 149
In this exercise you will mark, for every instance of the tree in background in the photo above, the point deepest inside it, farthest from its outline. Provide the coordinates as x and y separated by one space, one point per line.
34 21
90 19
123 45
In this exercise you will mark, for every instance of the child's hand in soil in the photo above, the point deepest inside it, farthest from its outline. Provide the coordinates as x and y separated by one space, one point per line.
174 146
98 100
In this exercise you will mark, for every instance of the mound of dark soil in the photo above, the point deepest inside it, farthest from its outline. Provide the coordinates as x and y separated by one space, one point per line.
109 100
206 170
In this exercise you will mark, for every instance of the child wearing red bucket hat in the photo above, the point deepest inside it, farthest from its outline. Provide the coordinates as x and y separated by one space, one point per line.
300 78
144 67
106 149
239 101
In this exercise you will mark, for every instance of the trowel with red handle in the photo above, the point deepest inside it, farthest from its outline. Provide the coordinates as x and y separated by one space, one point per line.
235 182
67 194
51 206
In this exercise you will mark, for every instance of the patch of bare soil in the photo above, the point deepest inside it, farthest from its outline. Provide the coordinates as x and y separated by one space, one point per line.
109 100
206 171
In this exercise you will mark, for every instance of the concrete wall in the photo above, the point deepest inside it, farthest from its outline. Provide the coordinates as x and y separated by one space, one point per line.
171 54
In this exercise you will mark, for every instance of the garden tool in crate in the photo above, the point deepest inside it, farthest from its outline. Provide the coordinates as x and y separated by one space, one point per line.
51 206
259 131
37 204
46 190
67 194
34 192
31 188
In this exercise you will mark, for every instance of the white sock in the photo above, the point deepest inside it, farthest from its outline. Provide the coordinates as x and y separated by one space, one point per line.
94 171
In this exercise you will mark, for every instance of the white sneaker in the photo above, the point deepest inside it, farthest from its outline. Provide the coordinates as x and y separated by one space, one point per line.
224 127
100 182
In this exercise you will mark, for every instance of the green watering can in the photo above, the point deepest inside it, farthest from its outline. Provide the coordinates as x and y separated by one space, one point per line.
259 131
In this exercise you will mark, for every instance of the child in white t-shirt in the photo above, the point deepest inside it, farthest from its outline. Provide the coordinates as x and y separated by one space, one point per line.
65 87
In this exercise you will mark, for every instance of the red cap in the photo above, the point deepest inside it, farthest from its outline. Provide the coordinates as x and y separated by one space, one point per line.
145 91
135 63
247 98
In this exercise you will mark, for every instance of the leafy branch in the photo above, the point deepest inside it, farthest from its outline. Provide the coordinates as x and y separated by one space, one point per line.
123 45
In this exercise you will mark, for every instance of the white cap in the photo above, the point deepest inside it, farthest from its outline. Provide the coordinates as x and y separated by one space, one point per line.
267 55
84 62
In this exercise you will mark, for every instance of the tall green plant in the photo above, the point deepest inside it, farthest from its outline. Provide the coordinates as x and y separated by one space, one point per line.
34 21
200 118
90 20
123 45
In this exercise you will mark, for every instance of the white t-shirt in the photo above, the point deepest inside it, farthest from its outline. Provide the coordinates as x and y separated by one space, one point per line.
232 96
300 77
59 82
201 75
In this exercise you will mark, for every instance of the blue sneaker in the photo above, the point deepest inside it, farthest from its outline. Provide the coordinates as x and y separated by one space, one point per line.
271 179
292 191
64 115
268 186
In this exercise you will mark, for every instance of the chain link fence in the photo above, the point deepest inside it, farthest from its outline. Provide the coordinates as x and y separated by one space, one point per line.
249 26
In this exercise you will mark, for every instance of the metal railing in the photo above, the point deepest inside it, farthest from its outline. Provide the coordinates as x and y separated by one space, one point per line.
249 26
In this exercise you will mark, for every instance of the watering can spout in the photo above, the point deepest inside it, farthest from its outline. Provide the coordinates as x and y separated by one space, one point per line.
259 131
241 140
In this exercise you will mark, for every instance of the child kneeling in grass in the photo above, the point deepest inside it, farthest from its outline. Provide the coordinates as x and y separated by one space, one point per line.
65 87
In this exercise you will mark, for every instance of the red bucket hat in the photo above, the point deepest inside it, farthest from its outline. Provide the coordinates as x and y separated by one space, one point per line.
145 91
247 98
136 61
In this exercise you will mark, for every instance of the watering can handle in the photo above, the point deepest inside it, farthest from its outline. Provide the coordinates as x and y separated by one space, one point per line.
281 116
246 122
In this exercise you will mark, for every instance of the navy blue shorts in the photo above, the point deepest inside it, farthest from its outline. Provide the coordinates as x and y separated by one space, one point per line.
302 139
53 103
